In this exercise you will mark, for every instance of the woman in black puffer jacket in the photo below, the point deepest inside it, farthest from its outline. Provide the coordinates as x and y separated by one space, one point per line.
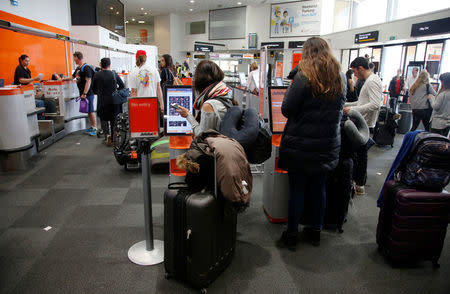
311 140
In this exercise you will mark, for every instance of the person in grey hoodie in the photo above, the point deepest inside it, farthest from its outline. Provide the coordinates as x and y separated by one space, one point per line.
419 94
440 119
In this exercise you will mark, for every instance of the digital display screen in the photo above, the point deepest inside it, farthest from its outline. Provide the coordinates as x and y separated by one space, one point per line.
434 27
175 123
243 79
277 120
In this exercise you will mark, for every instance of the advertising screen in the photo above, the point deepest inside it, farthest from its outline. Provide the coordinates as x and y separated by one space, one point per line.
277 120
144 117
175 123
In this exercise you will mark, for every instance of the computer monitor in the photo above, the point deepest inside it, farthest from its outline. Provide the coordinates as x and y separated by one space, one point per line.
277 120
243 79
279 82
175 124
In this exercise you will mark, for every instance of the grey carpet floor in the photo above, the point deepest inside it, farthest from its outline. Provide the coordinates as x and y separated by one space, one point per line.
95 211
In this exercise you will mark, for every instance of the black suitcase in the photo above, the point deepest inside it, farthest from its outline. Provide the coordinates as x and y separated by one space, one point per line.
339 191
199 236
385 128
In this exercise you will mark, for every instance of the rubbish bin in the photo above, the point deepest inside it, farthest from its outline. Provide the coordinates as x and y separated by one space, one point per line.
405 122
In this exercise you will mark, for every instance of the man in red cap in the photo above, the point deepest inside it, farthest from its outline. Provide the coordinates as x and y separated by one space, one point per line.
144 79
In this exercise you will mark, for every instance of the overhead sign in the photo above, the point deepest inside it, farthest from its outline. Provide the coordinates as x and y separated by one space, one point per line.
434 27
273 45
236 55
252 41
248 56
296 44
366 37
203 48
113 37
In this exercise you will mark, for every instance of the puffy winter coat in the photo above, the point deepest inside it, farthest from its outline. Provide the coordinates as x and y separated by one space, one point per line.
311 138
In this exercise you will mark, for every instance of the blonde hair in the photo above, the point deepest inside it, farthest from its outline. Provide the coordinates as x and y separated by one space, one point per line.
422 79
321 69
253 66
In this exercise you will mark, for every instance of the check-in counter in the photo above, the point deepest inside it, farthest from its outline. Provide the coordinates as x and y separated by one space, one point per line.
14 130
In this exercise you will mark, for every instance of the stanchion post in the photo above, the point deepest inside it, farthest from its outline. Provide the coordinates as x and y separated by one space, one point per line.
147 193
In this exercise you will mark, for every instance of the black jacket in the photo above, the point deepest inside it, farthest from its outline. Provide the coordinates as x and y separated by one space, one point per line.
311 139
393 84
104 85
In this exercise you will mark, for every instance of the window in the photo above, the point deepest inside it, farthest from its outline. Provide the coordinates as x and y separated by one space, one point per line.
392 58
364 51
420 51
353 55
345 60
368 12
407 8
445 65
342 15
433 59
410 54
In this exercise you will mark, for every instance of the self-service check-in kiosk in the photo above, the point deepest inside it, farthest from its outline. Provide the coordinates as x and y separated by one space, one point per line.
176 127
276 183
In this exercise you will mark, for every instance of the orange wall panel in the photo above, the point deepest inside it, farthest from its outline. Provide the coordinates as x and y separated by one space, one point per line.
46 55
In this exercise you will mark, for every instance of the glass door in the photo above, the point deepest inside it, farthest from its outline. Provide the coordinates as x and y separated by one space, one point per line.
376 58
392 59
433 58
410 56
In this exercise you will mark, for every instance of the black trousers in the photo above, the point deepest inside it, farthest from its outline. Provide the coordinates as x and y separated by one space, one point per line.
443 132
108 127
421 115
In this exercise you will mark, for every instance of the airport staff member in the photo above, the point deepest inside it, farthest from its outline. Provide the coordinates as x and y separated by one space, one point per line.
22 75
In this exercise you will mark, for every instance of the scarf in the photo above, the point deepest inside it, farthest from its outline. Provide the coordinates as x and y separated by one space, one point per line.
218 89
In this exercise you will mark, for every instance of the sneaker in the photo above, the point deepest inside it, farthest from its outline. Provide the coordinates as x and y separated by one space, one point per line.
313 235
359 190
287 240
108 140
88 131
93 132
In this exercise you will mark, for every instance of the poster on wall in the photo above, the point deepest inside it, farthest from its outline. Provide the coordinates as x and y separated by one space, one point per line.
295 19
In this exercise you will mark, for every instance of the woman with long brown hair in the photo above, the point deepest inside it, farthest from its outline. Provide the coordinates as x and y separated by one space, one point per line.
418 96
311 140
168 71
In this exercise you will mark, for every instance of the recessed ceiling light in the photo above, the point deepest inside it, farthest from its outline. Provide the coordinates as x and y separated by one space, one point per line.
190 9
142 8
126 21
117 12
192 1
133 19
145 13
239 3
141 21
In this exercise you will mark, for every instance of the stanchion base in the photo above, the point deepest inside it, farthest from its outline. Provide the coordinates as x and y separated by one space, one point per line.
139 254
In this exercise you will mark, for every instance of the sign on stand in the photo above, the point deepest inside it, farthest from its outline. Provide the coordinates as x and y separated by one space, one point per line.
144 125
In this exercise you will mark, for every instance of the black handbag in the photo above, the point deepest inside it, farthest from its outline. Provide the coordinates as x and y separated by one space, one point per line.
120 96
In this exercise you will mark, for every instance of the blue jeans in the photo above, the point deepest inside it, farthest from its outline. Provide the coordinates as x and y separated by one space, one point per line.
301 186
90 103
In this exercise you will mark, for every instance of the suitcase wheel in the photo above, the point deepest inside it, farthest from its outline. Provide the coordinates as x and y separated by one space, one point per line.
203 291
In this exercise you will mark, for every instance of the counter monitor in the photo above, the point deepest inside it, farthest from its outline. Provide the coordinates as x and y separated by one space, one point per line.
183 96
277 120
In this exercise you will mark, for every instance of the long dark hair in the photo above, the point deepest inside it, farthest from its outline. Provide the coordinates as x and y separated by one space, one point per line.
321 69
169 62
206 74
350 85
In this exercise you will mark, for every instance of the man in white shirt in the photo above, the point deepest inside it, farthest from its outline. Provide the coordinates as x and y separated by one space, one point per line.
368 105
412 78
253 78
144 80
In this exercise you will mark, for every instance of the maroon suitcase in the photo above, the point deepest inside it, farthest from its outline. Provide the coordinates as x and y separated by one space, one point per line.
412 224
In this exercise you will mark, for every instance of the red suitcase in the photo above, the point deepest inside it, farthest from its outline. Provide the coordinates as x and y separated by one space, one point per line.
412 224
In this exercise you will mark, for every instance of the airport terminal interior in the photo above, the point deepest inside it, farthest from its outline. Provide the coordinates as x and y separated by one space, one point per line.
184 146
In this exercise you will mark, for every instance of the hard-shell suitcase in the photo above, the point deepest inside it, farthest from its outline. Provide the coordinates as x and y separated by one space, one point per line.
412 224
339 191
199 235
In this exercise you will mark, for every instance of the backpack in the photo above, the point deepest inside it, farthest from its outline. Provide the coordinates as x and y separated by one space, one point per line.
84 65
248 128
427 165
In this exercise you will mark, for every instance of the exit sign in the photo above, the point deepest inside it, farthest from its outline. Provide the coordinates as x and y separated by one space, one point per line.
392 38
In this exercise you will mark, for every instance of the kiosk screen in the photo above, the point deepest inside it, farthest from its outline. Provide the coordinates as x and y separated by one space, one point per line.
178 96
277 120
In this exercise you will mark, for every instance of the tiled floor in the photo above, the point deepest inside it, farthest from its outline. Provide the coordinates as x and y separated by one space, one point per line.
96 213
